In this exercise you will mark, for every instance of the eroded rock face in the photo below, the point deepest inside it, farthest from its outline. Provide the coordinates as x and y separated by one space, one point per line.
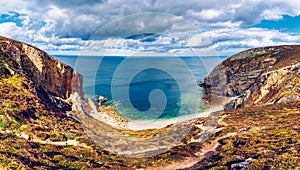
254 77
52 79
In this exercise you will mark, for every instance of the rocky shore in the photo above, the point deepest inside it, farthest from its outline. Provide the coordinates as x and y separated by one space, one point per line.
257 76
44 118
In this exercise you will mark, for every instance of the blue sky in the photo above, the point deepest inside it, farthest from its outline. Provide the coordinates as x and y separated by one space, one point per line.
222 27
289 24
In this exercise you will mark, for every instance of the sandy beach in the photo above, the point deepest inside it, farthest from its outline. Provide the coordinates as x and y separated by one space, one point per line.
154 124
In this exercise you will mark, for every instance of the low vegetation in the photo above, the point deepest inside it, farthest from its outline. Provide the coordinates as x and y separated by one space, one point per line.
272 141
32 136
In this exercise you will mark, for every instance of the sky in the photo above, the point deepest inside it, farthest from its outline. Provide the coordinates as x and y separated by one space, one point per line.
173 27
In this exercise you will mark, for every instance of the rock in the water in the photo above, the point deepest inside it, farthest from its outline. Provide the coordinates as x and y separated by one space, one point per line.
101 100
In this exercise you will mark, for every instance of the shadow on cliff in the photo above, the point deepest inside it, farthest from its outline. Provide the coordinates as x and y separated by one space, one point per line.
52 82
48 99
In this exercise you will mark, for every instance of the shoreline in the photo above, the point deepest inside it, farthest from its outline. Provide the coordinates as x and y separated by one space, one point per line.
156 124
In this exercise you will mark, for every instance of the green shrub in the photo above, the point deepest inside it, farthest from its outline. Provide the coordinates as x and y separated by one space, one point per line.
4 63
2 111
15 81
15 125
3 123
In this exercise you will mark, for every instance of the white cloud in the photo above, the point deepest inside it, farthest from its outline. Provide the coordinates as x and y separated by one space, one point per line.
8 28
228 41
206 14
272 14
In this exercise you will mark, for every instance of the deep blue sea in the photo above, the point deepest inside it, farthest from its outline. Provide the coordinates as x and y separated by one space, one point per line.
145 88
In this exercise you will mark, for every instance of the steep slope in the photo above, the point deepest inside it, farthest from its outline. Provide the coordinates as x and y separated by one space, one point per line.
267 137
52 80
37 130
264 83
256 77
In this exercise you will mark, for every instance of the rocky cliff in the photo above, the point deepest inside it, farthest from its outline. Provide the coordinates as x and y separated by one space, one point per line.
36 132
257 76
52 80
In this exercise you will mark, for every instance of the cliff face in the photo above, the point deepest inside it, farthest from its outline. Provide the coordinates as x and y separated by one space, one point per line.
256 77
51 79
34 116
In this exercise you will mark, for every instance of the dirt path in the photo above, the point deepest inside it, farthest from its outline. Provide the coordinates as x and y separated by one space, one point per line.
48 142
59 143
188 162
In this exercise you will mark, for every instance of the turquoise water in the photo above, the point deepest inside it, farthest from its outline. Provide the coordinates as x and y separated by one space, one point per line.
145 88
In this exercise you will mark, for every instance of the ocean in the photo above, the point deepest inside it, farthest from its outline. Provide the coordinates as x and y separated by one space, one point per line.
145 88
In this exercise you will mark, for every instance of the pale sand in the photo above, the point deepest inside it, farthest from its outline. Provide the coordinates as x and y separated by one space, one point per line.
155 124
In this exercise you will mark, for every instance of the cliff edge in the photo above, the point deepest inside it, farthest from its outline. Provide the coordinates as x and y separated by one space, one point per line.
258 76
37 130
52 80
